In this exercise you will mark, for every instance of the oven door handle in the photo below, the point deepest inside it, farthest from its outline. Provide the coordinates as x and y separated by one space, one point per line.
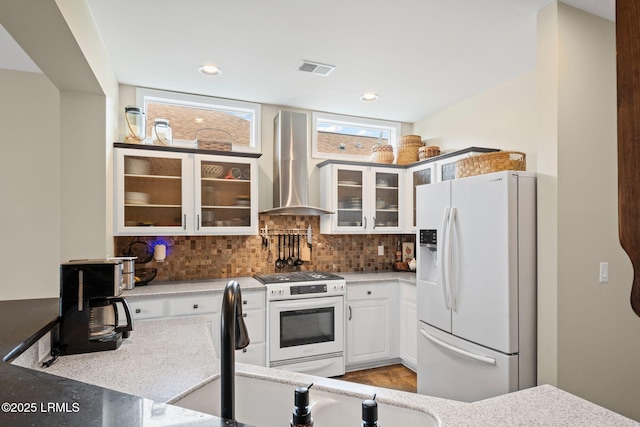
299 305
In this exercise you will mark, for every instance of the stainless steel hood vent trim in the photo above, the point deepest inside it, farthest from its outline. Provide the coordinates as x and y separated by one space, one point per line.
290 175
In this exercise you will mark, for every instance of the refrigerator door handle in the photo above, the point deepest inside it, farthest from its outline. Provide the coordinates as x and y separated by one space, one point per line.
441 266
449 263
438 342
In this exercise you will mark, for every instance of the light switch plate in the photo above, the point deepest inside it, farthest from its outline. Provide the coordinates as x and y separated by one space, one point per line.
604 272
380 250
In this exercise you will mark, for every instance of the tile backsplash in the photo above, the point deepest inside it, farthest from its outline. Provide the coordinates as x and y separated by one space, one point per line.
208 257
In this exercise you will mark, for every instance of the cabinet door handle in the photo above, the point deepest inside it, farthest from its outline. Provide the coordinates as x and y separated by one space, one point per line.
374 222
184 222
195 306
244 350
198 222
350 313
368 292
138 311
245 302
365 222
244 314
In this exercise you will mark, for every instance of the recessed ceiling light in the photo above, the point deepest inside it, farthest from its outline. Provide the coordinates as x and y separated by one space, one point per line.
210 70
369 96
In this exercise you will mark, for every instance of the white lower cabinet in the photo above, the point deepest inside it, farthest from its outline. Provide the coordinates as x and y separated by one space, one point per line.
210 306
381 322
254 314
370 322
146 309
408 319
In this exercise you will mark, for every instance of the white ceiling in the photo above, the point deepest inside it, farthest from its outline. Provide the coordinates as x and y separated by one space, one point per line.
419 56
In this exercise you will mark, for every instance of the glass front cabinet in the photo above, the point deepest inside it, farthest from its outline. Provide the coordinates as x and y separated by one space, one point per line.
365 199
415 176
172 193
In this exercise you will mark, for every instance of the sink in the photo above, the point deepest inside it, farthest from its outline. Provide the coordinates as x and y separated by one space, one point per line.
264 403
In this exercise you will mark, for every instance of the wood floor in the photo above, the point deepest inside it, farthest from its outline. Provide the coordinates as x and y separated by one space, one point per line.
396 377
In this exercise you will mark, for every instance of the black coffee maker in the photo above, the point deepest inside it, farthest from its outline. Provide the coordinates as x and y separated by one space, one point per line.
89 295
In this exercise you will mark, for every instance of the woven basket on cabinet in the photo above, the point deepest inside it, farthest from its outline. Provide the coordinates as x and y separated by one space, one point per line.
428 151
408 146
382 154
491 162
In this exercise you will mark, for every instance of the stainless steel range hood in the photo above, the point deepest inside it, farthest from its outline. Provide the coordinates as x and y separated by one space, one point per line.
290 175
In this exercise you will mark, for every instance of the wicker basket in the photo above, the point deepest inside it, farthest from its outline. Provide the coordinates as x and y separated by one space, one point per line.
491 162
408 146
382 154
428 151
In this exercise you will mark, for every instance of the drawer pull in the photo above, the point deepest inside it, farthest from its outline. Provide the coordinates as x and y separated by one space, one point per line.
244 350
138 311
244 314
195 306
368 292
245 302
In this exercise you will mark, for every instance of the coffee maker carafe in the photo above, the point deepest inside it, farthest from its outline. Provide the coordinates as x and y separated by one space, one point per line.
89 296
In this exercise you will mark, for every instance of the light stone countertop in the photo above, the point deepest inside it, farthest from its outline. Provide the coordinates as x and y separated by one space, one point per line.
247 284
544 405
160 359
166 359
196 287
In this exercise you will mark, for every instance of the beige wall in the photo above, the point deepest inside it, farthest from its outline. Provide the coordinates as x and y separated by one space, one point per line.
62 125
29 186
564 117
547 168
503 117
598 334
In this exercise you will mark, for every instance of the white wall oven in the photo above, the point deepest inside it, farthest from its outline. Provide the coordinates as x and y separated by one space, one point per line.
305 322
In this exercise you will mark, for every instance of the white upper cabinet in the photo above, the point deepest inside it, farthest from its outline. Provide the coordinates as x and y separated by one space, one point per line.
378 198
365 199
424 173
181 193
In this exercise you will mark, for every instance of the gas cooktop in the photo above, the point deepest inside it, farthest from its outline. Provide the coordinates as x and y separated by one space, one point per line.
298 276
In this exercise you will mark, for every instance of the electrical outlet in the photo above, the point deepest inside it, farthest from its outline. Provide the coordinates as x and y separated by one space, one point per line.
380 250
44 347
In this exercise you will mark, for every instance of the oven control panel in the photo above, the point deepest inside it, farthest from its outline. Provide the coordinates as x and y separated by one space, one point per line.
308 289
299 290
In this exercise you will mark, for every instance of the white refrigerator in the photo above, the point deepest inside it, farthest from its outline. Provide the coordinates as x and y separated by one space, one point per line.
476 280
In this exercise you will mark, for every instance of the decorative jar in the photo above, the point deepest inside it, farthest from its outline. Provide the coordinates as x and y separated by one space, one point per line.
135 124
162 132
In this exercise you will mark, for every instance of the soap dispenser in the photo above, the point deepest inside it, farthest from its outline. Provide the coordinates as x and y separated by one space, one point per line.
370 412
301 411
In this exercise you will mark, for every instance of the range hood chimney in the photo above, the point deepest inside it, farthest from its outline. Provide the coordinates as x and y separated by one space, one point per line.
290 175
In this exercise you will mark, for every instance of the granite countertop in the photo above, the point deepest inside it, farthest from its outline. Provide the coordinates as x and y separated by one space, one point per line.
30 393
195 287
168 358
173 357
248 284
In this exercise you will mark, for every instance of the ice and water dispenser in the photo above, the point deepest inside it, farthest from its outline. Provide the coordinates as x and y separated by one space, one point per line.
428 255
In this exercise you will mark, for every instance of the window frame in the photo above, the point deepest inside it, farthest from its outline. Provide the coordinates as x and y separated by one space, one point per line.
212 103
394 129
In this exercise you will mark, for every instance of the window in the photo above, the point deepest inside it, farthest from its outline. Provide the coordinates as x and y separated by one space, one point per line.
217 124
345 137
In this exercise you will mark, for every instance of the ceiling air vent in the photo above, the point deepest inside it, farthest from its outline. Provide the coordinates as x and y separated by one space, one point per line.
316 68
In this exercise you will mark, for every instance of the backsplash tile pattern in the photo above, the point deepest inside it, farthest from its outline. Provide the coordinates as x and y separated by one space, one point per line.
209 257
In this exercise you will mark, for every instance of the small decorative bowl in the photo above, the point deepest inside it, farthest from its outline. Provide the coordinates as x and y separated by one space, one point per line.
212 171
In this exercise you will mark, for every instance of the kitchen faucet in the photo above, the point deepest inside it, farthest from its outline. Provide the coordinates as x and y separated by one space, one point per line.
234 337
